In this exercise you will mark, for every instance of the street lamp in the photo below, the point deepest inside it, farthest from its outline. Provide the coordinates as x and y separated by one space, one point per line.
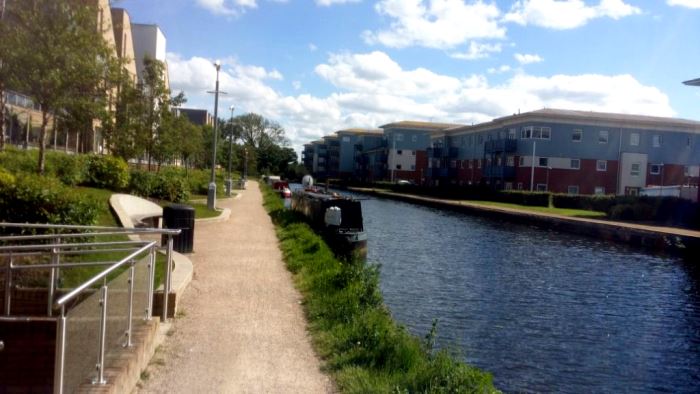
229 181
211 195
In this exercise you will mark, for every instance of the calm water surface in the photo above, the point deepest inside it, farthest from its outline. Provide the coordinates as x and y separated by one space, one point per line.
543 311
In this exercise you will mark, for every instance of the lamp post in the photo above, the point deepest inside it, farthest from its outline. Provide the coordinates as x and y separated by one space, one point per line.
211 195
229 181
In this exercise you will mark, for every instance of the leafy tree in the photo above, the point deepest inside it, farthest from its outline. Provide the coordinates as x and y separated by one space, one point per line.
57 53
256 131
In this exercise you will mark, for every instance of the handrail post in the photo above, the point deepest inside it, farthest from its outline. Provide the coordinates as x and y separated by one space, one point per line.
8 285
60 358
100 378
151 279
130 308
52 282
168 274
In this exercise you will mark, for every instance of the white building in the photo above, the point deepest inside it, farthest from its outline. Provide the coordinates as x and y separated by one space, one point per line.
148 40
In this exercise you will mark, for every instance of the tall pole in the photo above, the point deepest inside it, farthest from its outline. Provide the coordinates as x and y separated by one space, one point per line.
211 195
229 181
532 169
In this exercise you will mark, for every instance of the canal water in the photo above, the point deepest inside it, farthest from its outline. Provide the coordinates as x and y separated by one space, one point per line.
543 311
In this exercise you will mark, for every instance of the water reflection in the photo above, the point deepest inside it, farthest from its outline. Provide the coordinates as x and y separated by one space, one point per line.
543 311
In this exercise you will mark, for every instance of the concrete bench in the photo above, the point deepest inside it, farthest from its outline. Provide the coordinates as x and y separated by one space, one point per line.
135 211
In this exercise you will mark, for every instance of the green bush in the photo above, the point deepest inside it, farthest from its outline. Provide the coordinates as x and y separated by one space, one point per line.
170 186
37 199
107 172
142 183
585 202
15 160
6 178
537 199
69 169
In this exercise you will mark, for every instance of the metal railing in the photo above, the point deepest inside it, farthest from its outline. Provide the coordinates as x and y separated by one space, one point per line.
55 250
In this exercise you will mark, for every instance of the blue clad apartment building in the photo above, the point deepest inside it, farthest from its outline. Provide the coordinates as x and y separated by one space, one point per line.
562 151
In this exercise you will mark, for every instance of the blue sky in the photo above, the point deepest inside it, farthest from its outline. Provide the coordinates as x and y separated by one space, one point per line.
317 66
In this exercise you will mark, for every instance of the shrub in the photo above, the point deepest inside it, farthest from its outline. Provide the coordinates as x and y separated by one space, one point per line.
107 172
170 186
588 203
37 199
142 183
6 178
69 169
15 160
537 199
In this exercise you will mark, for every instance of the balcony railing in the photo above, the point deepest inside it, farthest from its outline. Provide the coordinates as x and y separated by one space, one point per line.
502 145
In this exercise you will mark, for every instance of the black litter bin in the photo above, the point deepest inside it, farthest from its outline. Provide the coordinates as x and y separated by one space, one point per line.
180 216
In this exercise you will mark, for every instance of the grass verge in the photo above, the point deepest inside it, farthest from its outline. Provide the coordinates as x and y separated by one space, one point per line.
579 213
362 347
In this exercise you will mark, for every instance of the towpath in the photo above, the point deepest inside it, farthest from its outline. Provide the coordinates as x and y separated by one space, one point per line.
243 328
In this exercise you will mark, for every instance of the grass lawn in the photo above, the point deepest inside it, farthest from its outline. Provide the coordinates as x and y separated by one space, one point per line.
556 211
201 211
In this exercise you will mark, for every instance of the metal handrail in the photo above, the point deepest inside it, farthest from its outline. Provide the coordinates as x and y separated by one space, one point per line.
57 248
102 275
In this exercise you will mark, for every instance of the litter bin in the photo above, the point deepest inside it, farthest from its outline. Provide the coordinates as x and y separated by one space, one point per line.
180 216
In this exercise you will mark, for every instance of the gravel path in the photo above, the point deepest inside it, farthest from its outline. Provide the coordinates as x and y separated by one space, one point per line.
243 328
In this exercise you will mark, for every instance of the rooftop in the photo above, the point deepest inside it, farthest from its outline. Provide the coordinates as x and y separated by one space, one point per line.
360 131
411 124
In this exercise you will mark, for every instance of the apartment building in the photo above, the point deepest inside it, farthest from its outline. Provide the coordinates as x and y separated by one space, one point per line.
562 151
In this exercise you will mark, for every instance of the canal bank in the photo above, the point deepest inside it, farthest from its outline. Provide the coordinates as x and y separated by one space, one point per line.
677 241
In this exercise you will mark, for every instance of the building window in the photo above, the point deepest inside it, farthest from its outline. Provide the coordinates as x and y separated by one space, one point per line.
577 135
480 139
634 139
541 187
686 170
346 139
520 186
656 140
453 163
688 141
599 190
573 189
512 134
543 162
601 165
536 133
635 169
413 167
499 161
413 152
469 163
509 186
478 163
398 137
399 152
488 137
655 169
398 166
603 136
521 161
510 161
414 138
575 164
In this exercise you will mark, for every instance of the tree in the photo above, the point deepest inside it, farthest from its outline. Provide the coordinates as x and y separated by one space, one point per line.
58 52
256 131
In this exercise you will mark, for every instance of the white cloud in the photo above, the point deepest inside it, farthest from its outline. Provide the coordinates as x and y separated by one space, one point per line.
684 3
327 3
312 47
499 70
373 89
477 51
527 58
440 24
566 14
296 85
227 7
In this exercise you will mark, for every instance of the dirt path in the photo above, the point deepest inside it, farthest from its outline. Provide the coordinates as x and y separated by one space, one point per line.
243 329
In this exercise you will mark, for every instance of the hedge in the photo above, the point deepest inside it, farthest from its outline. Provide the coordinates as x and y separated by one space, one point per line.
107 172
27 198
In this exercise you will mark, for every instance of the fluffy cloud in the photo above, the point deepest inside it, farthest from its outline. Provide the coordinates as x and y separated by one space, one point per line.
684 3
499 70
227 7
477 51
373 89
566 14
527 58
440 24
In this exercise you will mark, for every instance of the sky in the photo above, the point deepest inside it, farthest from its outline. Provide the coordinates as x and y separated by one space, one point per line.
317 66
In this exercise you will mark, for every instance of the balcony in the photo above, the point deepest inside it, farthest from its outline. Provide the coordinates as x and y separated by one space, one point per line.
499 172
503 145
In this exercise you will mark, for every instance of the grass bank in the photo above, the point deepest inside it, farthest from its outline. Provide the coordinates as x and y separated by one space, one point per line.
362 347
